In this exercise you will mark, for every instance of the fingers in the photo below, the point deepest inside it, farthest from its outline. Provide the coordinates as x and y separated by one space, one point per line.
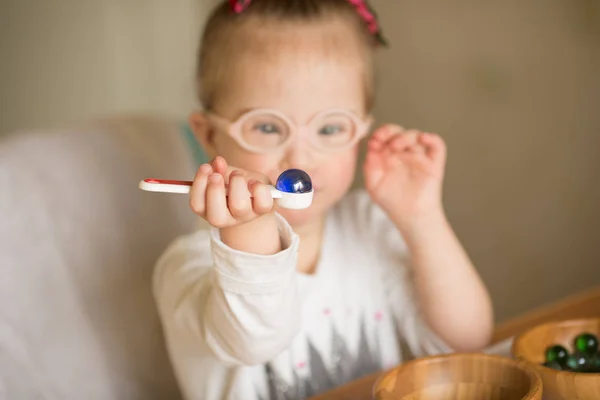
225 196
435 148
381 136
217 214
198 190
238 197
396 139
434 144
407 142
220 166
262 200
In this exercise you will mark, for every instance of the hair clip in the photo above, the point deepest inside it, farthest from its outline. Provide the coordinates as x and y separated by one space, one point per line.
368 15
239 6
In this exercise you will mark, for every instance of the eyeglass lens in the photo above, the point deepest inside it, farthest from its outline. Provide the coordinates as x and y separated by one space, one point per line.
269 131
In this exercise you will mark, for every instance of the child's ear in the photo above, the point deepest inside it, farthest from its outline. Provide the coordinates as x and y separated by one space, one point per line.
204 132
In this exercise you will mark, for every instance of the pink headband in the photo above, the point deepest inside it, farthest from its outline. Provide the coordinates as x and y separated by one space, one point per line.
361 6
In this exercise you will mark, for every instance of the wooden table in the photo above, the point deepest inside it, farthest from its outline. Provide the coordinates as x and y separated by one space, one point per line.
583 305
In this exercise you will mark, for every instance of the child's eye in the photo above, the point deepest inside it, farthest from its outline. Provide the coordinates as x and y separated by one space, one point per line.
331 129
267 128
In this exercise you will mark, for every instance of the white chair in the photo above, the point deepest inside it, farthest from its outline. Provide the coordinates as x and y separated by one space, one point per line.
78 241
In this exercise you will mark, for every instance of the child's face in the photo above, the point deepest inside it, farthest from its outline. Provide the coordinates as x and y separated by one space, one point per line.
299 80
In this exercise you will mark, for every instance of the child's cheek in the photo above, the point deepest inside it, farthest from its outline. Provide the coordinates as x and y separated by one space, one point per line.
339 171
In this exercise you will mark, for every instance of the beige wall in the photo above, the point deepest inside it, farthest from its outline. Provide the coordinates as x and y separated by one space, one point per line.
67 60
513 86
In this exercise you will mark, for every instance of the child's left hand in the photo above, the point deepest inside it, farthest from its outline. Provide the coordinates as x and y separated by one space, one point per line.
404 171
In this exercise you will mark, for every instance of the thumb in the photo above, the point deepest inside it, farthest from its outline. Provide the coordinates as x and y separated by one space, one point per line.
373 170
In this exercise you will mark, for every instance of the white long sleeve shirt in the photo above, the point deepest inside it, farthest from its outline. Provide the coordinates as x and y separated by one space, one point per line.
245 326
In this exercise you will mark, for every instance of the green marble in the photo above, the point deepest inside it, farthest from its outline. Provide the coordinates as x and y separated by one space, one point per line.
586 343
557 353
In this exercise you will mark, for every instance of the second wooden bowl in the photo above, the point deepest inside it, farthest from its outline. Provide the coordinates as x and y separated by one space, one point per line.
559 385
460 377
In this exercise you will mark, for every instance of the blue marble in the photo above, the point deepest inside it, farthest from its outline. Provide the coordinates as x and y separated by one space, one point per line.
294 181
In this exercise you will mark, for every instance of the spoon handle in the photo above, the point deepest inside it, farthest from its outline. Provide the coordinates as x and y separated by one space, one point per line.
183 187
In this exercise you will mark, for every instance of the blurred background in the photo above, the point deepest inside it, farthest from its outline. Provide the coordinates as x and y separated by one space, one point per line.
513 86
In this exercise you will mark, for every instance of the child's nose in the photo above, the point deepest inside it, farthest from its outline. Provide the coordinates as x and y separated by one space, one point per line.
300 156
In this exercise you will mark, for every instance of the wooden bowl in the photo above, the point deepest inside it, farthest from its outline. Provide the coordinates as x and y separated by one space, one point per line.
460 377
559 385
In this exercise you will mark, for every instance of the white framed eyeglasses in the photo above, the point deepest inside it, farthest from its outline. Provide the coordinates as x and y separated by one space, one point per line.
267 131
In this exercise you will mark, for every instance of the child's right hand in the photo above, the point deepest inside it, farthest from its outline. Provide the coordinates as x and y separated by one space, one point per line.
246 198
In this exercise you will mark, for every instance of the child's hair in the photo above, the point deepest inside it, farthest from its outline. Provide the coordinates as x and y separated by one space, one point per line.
221 37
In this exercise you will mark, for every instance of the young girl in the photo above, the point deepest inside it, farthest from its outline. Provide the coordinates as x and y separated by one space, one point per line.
270 303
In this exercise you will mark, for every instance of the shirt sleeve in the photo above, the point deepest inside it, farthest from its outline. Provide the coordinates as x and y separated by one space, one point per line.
220 304
393 258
